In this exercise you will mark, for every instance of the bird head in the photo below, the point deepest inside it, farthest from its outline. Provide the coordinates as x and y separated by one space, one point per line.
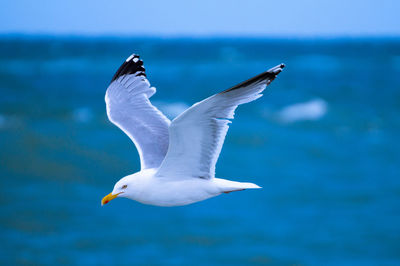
130 186
121 189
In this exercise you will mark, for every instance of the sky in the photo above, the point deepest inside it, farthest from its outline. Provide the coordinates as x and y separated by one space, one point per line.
202 18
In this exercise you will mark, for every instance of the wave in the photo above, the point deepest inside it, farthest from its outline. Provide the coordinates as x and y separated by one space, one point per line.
82 115
2 121
311 110
11 121
171 110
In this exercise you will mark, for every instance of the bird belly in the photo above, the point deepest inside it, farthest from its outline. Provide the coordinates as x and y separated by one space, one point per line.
177 192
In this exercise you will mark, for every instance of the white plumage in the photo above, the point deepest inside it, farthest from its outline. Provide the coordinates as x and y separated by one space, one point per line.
178 158
129 108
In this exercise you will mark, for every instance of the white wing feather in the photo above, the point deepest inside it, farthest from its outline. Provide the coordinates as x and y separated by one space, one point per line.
129 108
197 135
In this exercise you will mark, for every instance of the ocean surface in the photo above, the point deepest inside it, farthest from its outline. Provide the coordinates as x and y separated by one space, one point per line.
323 142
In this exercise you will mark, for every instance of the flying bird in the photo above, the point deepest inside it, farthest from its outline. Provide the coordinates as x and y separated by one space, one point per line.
177 157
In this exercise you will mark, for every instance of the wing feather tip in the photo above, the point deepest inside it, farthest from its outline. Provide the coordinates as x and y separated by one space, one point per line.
268 75
132 65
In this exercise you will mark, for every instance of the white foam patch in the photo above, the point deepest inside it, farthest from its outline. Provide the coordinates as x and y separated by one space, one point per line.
171 110
311 110
135 59
82 115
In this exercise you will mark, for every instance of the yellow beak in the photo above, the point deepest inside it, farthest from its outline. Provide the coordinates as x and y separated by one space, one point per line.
109 198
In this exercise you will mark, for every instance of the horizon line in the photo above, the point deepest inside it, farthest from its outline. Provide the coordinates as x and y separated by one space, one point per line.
197 36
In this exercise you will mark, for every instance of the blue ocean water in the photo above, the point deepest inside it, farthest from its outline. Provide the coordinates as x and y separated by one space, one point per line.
323 143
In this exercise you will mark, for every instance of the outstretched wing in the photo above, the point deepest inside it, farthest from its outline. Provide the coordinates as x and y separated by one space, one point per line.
129 108
197 135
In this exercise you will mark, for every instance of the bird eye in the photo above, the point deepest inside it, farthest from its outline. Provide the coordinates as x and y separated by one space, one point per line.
124 186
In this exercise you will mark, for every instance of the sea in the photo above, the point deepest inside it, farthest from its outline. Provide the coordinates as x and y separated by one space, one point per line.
323 142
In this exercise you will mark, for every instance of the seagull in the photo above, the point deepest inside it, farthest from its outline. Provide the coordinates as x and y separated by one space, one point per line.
178 157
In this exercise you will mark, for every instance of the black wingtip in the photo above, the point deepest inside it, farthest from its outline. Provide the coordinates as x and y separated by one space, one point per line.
276 70
133 64
269 75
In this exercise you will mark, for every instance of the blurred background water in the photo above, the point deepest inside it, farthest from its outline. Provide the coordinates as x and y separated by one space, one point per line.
323 143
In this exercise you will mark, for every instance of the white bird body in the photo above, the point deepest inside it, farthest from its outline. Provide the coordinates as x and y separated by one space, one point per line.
147 188
178 158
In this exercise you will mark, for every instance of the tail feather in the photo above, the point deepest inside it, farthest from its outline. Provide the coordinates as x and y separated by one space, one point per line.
228 186
249 185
